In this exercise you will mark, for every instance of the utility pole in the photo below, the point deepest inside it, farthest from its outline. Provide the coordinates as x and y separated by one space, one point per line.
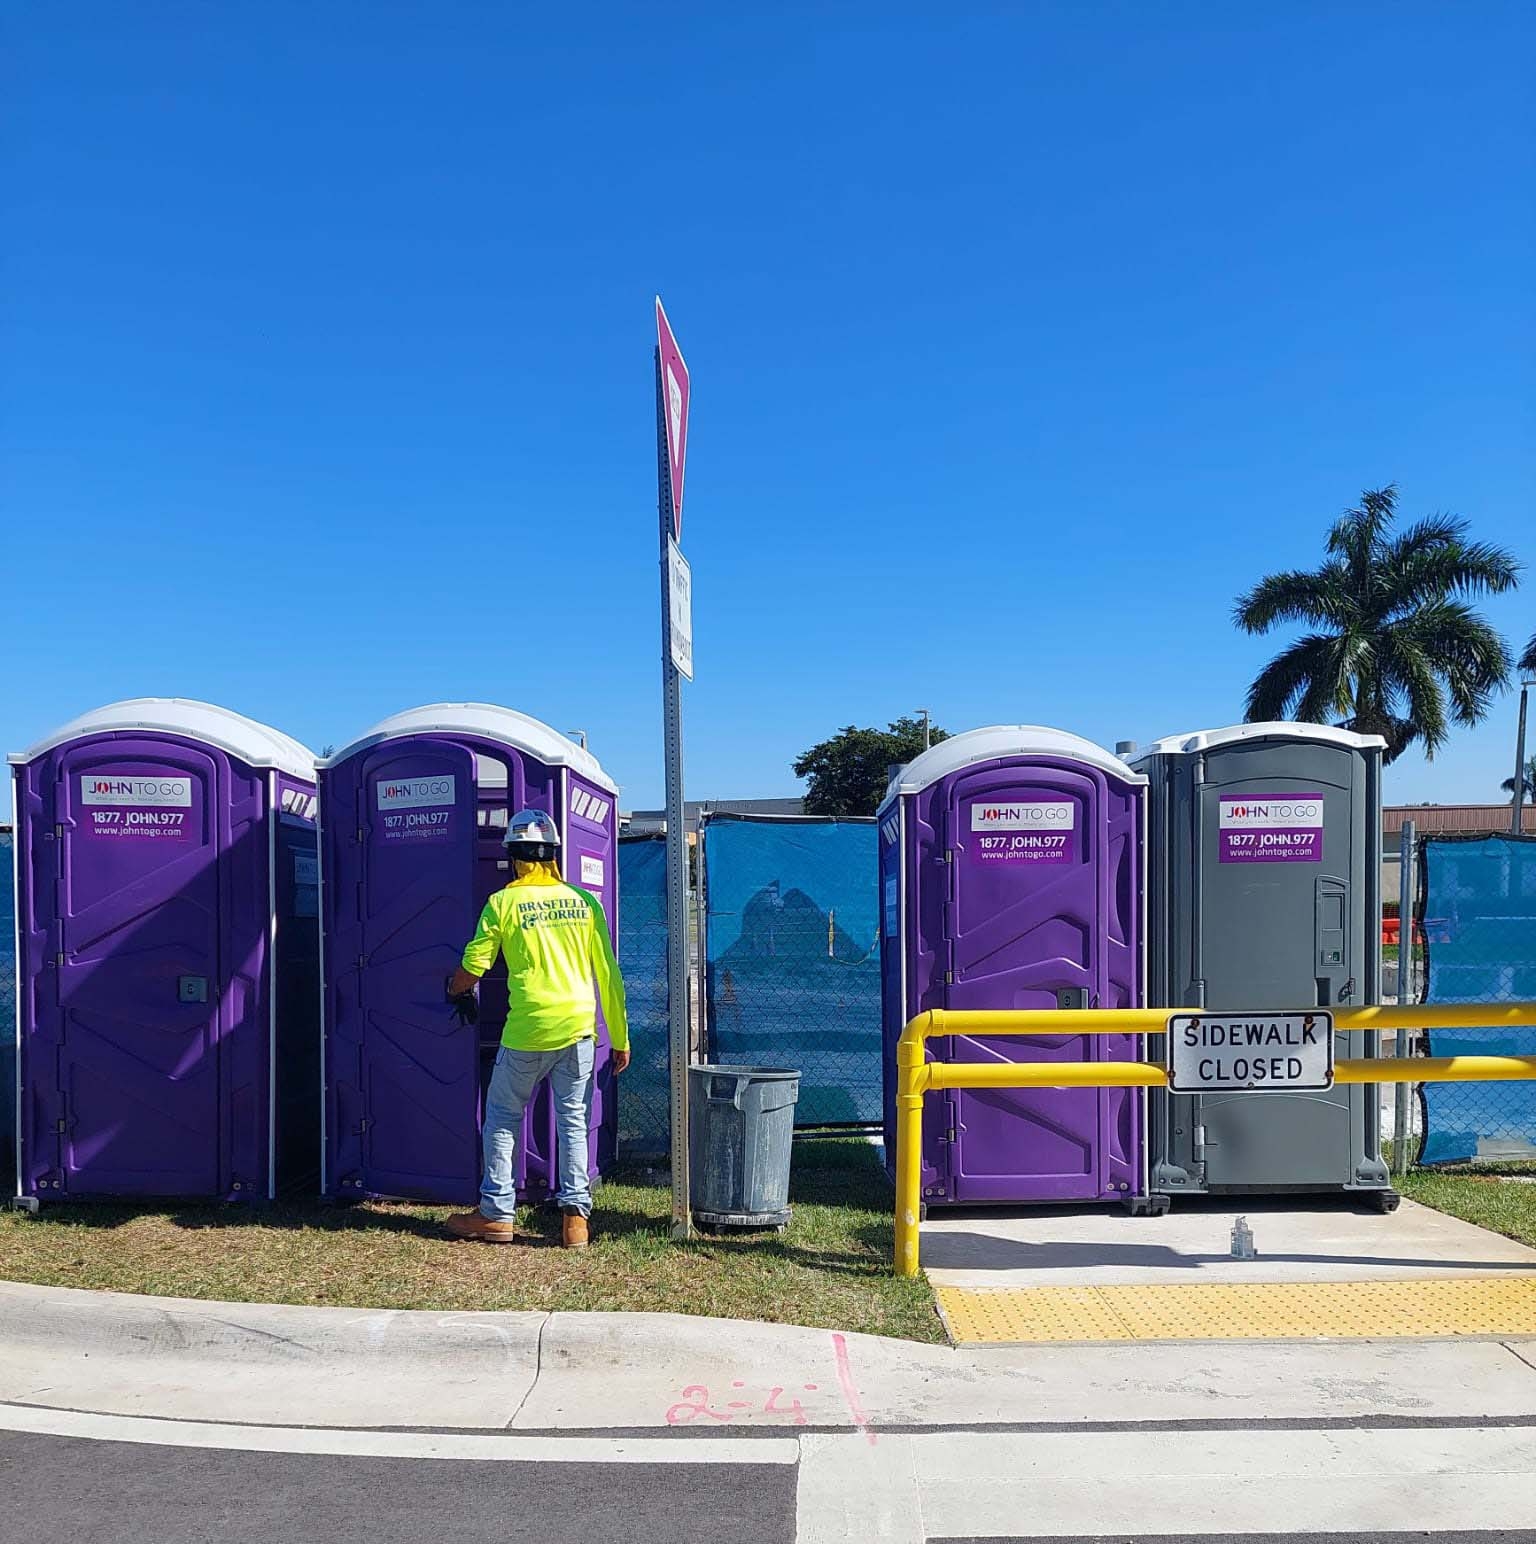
1520 766
927 730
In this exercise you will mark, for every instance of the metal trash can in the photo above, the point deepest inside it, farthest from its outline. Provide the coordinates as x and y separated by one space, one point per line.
741 1125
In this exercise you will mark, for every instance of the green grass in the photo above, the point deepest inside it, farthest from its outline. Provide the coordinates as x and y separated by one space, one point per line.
830 1269
1489 1194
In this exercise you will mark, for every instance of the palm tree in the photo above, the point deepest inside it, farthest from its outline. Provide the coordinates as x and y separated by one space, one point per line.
1528 794
1527 662
1395 649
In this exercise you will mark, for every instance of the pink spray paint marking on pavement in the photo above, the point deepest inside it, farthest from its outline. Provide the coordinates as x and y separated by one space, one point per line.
850 1392
695 1402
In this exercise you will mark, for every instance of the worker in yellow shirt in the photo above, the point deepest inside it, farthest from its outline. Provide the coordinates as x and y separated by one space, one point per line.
554 938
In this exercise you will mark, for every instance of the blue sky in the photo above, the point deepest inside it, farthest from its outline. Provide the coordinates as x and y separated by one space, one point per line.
1023 337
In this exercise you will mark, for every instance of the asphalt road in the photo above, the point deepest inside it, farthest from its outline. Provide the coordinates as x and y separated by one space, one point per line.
79 1490
56 1490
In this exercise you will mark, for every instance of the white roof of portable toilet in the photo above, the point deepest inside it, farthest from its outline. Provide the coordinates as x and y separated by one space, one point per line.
993 744
258 745
490 723
1209 739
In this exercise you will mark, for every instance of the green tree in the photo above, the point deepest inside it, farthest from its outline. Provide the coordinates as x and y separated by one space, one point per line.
1529 780
847 774
1394 649
1527 665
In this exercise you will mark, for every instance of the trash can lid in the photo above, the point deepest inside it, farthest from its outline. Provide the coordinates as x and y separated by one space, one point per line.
734 1070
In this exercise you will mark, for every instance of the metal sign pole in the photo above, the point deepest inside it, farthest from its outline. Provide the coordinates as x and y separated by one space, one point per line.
1402 1092
677 846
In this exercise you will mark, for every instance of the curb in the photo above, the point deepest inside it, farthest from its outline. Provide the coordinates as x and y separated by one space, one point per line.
163 1328
125 1324
183 1359
263 1363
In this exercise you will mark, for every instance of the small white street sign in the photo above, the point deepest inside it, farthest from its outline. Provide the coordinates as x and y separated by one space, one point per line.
680 596
1227 1052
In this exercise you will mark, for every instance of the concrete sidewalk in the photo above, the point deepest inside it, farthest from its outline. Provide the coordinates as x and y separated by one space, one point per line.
1308 1239
1325 1267
865 1438
329 1367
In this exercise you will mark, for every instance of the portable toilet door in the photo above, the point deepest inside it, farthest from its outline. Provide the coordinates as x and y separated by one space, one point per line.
153 928
412 820
1011 877
1267 896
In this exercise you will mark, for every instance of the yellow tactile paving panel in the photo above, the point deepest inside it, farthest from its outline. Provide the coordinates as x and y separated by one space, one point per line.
1292 1310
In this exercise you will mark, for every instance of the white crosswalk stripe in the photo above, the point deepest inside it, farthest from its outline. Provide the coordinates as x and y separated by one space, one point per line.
1183 1484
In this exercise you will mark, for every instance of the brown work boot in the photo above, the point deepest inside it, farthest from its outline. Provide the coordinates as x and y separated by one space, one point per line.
573 1231
482 1229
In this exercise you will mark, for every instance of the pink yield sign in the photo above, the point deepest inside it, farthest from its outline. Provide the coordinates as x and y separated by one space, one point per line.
674 398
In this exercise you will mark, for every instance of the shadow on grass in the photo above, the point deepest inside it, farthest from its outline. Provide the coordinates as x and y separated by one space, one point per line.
839 1174
106 1216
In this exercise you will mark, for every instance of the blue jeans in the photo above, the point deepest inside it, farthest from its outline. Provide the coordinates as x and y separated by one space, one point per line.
516 1075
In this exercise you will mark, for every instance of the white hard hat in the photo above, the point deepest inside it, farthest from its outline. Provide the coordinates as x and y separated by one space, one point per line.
532 834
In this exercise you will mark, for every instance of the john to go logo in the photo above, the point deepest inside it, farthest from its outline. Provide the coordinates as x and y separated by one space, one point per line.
1043 815
1267 814
409 793
137 792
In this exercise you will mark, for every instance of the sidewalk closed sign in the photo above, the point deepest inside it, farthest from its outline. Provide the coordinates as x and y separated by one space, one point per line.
1217 1052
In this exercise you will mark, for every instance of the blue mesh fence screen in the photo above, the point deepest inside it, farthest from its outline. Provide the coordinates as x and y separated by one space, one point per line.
1479 918
793 957
643 1090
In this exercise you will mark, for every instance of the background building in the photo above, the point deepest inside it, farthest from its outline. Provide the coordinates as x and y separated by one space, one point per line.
644 822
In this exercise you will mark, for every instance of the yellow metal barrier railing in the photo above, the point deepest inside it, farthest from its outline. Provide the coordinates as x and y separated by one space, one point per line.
915 1074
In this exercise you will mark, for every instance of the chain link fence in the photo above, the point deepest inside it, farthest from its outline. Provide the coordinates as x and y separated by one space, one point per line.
643 1090
1477 919
792 956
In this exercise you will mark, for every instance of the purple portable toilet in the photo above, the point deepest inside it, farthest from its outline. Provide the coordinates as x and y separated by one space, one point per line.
1011 874
166 910
412 819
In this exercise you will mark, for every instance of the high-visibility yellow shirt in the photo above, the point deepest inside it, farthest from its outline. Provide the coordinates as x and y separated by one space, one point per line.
555 941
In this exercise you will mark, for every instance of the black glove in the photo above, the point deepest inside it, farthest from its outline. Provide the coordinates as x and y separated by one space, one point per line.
465 1005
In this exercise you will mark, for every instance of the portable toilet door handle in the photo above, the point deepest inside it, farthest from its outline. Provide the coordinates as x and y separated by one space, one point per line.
192 989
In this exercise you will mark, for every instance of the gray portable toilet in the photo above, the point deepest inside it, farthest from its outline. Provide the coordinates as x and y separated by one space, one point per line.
1265 893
